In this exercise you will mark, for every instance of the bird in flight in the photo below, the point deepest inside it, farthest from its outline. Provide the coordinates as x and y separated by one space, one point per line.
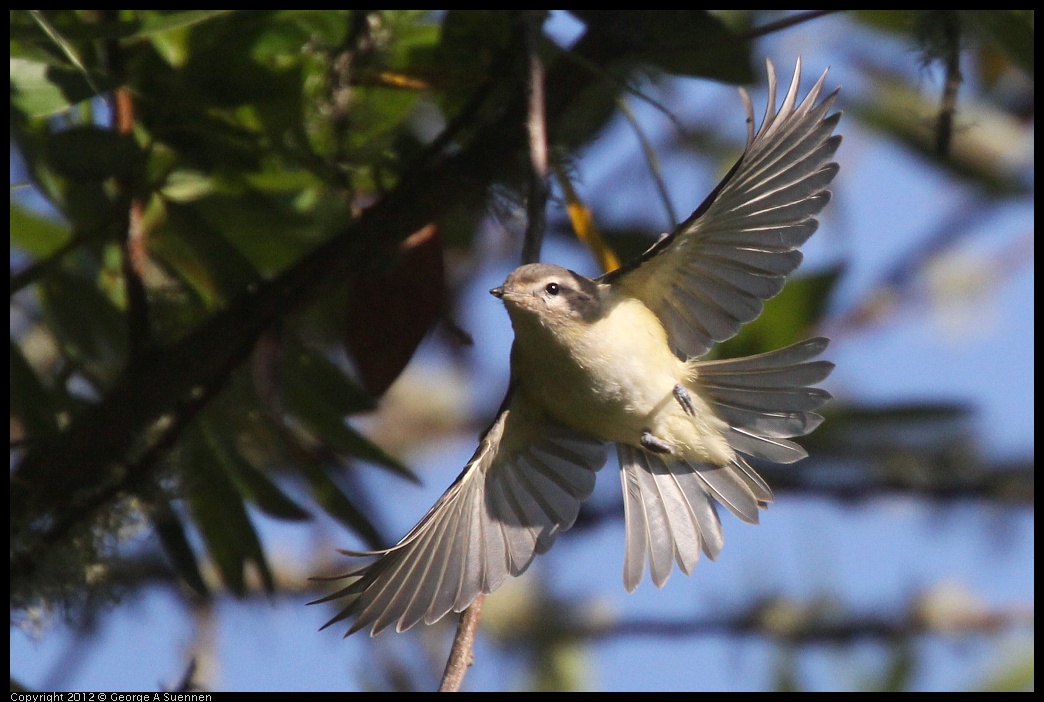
615 359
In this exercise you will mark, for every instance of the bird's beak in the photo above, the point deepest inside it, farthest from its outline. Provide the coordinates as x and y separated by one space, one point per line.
498 292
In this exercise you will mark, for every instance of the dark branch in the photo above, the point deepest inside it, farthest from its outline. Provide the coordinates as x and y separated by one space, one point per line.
782 24
536 130
132 236
806 626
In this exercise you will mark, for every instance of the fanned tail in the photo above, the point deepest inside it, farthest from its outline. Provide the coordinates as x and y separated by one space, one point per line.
768 398
669 505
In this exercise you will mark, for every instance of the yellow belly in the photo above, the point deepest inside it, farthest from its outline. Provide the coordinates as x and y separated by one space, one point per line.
614 378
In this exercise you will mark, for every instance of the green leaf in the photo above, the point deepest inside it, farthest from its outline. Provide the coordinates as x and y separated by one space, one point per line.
221 516
310 376
201 256
249 481
171 533
787 318
31 402
683 42
900 672
337 504
147 24
267 496
92 331
155 23
36 235
40 89
89 153
1015 673
321 396
1011 31
266 229
896 21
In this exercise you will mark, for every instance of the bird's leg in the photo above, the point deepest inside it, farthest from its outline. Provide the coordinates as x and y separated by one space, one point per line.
653 444
684 399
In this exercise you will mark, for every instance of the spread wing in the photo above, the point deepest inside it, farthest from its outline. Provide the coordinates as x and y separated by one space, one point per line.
712 273
523 486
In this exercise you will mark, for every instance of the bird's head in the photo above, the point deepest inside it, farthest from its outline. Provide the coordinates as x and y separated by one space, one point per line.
550 295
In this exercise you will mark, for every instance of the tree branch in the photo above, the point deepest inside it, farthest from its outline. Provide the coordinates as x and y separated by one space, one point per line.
536 130
785 23
461 656
133 253
806 629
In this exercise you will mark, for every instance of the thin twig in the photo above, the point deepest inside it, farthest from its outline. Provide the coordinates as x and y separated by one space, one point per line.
461 653
132 236
652 162
783 24
951 85
66 47
536 129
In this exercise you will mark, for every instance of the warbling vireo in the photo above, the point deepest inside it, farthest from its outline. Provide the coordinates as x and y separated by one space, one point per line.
614 360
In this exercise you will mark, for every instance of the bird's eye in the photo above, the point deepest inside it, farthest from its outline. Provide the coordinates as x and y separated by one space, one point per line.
552 288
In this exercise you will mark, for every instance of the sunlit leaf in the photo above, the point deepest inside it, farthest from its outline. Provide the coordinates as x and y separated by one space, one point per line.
41 89
36 235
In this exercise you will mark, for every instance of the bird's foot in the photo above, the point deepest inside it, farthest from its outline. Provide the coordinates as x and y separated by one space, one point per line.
684 399
653 444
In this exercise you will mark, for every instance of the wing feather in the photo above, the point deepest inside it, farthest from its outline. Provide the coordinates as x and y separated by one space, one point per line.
523 486
711 275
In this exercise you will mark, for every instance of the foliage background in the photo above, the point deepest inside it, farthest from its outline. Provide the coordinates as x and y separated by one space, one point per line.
244 242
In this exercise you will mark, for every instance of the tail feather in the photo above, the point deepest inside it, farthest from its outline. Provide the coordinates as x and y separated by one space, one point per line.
669 510
767 398
669 516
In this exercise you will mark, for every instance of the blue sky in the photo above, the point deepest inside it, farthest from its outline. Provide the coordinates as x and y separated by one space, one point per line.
871 555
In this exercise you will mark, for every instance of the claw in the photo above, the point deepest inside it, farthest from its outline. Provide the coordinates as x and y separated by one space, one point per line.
684 399
653 444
